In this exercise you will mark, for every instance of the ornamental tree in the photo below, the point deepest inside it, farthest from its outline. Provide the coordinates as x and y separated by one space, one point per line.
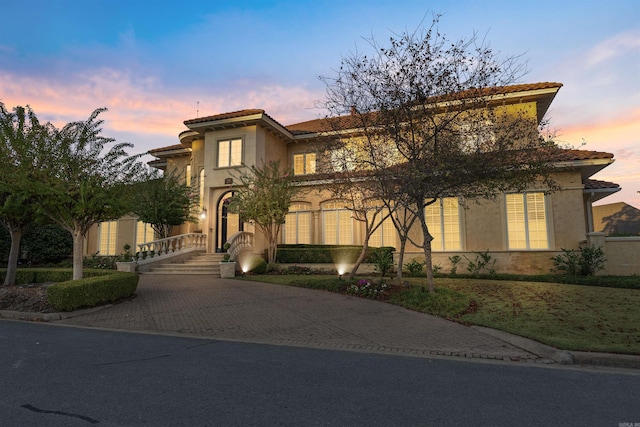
87 181
263 198
163 201
23 149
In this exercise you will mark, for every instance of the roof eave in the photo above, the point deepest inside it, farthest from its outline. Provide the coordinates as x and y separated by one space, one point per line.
587 168
242 121
596 194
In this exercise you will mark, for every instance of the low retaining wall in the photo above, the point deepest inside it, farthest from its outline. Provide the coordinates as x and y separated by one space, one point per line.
622 254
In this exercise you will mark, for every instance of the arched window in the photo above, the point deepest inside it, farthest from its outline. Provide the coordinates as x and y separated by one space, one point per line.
297 225
201 187
385 234
337 224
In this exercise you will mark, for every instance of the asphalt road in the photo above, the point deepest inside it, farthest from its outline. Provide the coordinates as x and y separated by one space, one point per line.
63 376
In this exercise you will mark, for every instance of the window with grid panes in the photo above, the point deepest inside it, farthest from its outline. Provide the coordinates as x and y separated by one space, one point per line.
337 225
297 225
229 152
108 236
304 163
144 233
443 220
526 221
385 234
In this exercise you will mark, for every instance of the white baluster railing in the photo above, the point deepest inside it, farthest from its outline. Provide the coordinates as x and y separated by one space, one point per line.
238 242
171 245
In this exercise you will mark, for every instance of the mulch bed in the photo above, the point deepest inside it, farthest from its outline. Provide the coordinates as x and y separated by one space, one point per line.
25 298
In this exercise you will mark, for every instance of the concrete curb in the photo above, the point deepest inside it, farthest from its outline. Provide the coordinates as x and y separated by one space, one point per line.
559 356
565 357
48 317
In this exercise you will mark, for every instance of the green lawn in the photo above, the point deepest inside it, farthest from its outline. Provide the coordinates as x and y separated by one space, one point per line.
569 317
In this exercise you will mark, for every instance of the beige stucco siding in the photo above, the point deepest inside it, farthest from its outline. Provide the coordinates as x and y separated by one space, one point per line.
484 225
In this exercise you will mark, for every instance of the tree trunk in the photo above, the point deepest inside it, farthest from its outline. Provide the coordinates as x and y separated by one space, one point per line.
428 263
360 259
14 255
78 244
272 237
403 245
426 246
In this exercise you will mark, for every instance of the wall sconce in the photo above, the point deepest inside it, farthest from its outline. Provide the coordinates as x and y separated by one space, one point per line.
203 214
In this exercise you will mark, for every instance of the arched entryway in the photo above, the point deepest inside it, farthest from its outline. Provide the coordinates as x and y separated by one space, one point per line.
227 223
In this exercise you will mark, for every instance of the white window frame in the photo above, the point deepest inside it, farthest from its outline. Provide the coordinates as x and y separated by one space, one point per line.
108 248
440 245
226 160
386 233
296 212
143 229
333 209
526 221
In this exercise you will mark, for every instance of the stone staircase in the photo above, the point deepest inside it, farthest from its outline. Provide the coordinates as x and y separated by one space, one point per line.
201 263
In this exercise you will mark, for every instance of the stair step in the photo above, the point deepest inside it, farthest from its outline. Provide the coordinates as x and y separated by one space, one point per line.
201 264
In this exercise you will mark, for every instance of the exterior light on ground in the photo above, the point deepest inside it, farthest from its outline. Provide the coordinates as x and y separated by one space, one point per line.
342 268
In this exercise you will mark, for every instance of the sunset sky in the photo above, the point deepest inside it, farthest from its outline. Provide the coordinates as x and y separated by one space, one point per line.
154 64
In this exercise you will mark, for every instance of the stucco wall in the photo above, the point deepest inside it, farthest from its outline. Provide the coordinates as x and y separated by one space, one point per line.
623 255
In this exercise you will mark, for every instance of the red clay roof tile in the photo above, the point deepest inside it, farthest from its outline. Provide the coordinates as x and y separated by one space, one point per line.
352 121
223 116
594 184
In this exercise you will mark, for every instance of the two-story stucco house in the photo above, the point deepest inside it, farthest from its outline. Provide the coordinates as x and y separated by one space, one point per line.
521 231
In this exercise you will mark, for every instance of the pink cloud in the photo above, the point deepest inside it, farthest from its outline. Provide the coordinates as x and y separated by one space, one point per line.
143 106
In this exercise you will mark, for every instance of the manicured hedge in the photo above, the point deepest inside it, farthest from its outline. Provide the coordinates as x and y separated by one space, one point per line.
27 276
92 291
324 254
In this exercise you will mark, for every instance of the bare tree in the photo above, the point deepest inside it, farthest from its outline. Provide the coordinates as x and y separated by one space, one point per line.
425 111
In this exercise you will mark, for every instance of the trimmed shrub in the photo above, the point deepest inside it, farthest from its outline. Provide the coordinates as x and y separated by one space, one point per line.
92 291
46 244
28 276
325 254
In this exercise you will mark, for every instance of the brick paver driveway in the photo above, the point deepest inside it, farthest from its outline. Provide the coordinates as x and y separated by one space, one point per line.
228 309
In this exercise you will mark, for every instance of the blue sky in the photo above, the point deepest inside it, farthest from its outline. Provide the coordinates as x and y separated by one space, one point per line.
154 64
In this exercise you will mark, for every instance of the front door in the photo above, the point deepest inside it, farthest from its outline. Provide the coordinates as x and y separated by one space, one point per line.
227 223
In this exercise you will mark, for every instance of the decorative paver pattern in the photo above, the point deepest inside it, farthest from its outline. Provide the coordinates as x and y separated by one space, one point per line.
238 310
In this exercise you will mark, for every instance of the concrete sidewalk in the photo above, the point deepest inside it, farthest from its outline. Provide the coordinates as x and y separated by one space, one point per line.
239 310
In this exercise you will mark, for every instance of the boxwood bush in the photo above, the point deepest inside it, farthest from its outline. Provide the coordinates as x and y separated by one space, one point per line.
92 291
27 276
324 254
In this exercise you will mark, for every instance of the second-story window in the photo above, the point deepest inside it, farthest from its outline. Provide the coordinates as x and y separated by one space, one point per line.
229 152
304 163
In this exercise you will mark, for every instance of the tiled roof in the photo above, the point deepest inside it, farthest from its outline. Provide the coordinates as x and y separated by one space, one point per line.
594 184
223 116
169 148
353 122
575 155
